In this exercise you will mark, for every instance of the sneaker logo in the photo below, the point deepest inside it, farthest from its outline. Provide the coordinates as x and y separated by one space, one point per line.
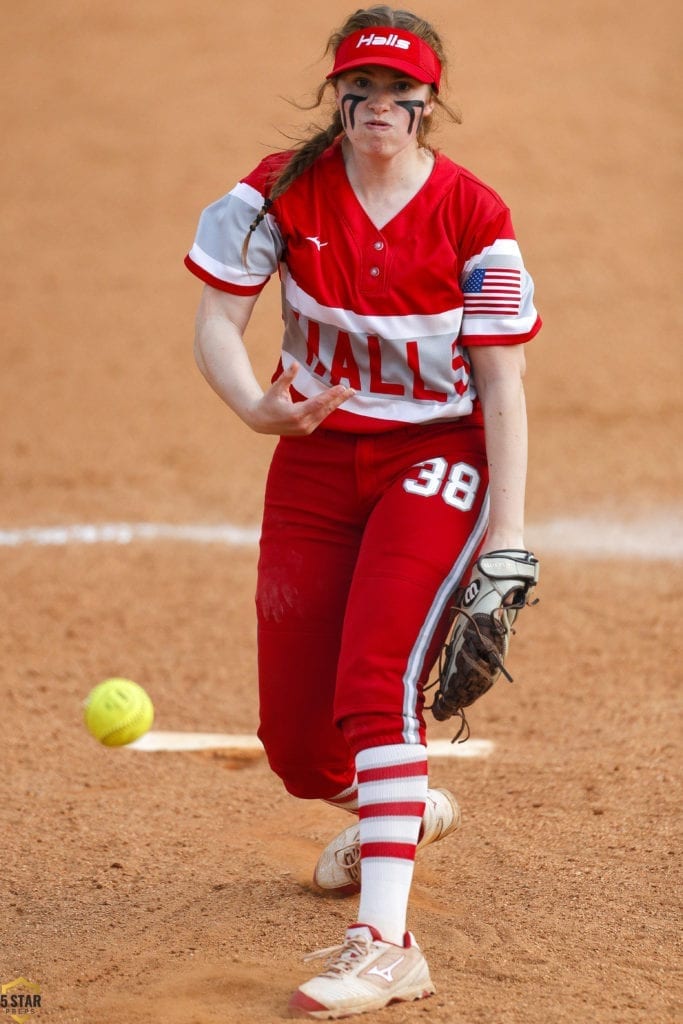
386 972
316 241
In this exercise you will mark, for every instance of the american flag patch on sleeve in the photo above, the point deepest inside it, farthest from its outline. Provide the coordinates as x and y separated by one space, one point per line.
493 292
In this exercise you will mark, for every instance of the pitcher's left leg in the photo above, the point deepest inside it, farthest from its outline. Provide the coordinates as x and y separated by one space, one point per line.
419 543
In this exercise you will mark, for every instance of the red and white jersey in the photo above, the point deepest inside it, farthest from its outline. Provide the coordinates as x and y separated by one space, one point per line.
390 312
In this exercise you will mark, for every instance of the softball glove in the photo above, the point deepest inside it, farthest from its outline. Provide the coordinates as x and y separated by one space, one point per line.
485 610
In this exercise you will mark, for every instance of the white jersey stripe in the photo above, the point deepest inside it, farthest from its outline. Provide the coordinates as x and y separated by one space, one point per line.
251 196
411 325
224 272
503 253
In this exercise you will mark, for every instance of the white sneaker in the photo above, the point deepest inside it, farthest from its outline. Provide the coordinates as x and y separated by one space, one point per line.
338 867
364 973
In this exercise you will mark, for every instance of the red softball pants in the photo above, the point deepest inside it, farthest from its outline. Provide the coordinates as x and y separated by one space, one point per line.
364 540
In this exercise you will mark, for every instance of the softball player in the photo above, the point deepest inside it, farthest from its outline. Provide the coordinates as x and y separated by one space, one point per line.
399 403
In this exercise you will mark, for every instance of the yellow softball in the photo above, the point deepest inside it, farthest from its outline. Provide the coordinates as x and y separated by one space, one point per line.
117 712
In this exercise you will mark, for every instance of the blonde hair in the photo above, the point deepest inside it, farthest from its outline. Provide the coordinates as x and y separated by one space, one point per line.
308 149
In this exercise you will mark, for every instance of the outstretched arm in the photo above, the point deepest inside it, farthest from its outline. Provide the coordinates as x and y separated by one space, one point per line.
221 321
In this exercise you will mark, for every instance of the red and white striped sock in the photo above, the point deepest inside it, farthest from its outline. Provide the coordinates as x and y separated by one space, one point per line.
392 790
347 799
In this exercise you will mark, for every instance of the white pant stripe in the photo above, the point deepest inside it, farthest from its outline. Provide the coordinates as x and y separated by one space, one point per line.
443 595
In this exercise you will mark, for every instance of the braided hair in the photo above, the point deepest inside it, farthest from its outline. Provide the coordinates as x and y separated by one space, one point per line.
307 150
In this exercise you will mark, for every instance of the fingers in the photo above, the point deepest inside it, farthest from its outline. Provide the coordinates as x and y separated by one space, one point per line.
277 412
333 398
279 390
311 413
286 379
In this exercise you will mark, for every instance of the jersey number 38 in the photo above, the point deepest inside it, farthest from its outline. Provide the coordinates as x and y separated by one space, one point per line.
457 484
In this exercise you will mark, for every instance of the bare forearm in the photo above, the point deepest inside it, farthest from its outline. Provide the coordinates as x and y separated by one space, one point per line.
506 448
222 359
499 378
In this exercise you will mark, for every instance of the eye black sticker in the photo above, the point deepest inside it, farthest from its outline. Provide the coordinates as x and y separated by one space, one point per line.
411 106
353 102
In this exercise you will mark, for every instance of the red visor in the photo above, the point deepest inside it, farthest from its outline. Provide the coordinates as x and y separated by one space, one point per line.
390 48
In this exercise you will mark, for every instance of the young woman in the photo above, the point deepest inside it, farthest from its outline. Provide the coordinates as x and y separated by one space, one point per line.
399 403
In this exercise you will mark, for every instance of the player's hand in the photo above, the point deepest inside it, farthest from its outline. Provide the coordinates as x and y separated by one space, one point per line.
277 413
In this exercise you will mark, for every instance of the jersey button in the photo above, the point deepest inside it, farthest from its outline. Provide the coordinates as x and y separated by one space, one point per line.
374 271
378 245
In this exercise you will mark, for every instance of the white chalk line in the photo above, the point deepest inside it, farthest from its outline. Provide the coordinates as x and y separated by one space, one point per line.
159 740
656 536
127 533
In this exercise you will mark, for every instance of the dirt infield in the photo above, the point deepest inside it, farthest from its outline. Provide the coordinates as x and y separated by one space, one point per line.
174 887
